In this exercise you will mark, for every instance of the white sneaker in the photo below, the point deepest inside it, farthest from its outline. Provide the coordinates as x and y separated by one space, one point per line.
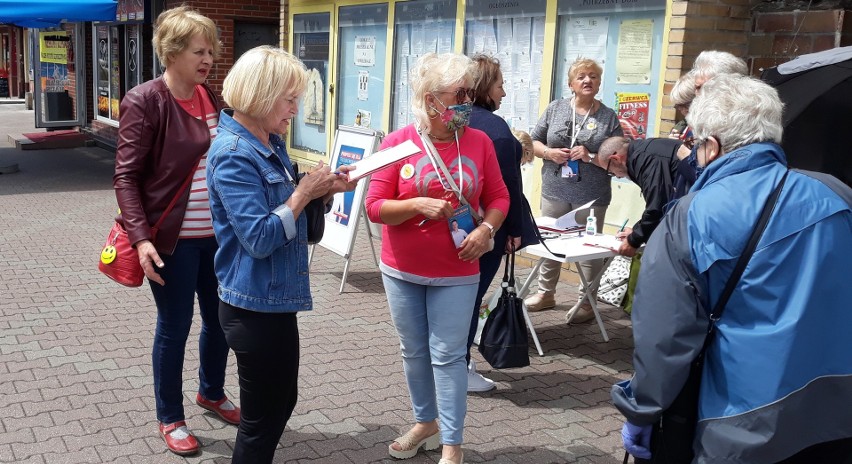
476 382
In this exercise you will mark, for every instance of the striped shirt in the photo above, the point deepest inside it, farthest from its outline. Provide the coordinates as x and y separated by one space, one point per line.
197 221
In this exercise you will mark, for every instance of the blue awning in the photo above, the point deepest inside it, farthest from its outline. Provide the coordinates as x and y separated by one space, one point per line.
49 13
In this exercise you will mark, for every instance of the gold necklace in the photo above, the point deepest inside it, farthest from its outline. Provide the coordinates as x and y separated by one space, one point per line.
441 139
449 145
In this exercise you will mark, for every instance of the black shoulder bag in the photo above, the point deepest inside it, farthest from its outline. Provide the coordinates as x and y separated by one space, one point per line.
314 211
673 435
504 343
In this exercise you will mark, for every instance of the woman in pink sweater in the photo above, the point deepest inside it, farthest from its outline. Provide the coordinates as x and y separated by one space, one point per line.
430 283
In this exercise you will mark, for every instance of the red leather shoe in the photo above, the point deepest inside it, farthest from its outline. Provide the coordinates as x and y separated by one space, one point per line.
223 408
179 439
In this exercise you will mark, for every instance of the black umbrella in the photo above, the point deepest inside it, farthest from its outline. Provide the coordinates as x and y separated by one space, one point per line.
818 112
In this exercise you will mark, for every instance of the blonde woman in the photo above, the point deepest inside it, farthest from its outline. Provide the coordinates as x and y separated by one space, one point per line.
262 263
573 129
165 130
431 285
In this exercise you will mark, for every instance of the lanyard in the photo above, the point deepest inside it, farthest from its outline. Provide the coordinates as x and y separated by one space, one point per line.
435 158
574 120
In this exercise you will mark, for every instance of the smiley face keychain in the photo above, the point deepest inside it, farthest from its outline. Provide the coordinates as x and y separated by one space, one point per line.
108 254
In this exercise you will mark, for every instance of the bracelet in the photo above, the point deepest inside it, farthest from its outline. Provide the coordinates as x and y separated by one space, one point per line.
491 229
544 155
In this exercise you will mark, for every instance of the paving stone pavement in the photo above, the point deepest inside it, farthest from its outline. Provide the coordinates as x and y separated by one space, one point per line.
75 374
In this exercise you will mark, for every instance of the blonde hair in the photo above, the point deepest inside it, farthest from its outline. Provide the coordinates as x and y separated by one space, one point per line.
259 77
432 73
583 63
176 27
526 144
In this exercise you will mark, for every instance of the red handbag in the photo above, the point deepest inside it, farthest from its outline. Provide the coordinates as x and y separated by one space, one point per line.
119 260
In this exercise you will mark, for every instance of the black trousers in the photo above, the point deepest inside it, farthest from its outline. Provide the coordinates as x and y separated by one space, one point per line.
266 346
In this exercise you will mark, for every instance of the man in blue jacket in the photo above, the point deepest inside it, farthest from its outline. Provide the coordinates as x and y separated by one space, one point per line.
777 379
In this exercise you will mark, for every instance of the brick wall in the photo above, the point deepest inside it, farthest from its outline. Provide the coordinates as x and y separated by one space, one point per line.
224 13
779 36
698 25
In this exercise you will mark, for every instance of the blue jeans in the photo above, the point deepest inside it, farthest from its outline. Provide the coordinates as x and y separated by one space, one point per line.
187 272
432 326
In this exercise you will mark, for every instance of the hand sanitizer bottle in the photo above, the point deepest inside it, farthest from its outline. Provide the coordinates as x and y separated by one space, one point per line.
591 223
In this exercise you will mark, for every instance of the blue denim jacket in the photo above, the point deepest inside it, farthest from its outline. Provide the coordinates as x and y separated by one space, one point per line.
260 265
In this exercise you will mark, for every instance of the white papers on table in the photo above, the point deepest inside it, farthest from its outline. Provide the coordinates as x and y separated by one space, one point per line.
602 241
565 222
382 159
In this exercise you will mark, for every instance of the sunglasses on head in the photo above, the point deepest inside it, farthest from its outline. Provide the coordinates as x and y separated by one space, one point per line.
461 93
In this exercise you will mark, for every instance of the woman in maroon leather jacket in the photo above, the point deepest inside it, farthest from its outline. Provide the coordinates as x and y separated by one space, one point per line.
165 130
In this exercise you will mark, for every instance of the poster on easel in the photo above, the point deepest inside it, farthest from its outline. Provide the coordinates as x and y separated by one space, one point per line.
351 144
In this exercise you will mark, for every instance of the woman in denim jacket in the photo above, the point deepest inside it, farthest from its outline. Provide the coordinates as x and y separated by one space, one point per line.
262 262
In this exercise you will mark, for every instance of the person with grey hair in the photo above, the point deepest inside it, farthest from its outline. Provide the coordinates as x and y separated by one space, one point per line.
711 63
260 222
776 360
681 96
652 165
431 285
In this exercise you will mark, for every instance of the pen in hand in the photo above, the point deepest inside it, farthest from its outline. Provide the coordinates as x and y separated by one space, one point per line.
620 234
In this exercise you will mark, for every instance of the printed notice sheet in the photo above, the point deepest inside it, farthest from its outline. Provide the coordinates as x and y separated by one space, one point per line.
633 59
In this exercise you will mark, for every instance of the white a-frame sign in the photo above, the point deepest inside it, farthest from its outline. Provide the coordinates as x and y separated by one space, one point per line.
351 144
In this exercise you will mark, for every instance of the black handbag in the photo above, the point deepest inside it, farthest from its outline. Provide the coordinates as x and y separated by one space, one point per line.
315 212
673 435
504 343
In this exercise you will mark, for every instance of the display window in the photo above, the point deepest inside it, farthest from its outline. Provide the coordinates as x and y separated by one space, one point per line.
419 27
626 39
362 46
512 32
117 58
311 44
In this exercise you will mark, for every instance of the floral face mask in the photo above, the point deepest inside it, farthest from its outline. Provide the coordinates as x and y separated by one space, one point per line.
455 116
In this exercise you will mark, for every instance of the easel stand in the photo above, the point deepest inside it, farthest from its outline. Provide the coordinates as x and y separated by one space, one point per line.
351 144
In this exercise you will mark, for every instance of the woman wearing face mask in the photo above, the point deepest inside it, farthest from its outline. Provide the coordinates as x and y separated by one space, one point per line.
431 285
573 129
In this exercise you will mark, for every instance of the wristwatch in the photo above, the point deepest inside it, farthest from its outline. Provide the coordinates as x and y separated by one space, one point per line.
491 229
592 156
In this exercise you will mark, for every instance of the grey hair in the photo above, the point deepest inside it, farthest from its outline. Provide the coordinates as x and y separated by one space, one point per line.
737 110
711 63
612 146
683 91
432 73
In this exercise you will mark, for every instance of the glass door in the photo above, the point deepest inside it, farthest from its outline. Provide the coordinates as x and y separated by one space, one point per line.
310 133
59 92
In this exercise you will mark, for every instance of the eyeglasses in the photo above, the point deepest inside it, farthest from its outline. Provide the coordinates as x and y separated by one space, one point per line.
608 172
461 93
